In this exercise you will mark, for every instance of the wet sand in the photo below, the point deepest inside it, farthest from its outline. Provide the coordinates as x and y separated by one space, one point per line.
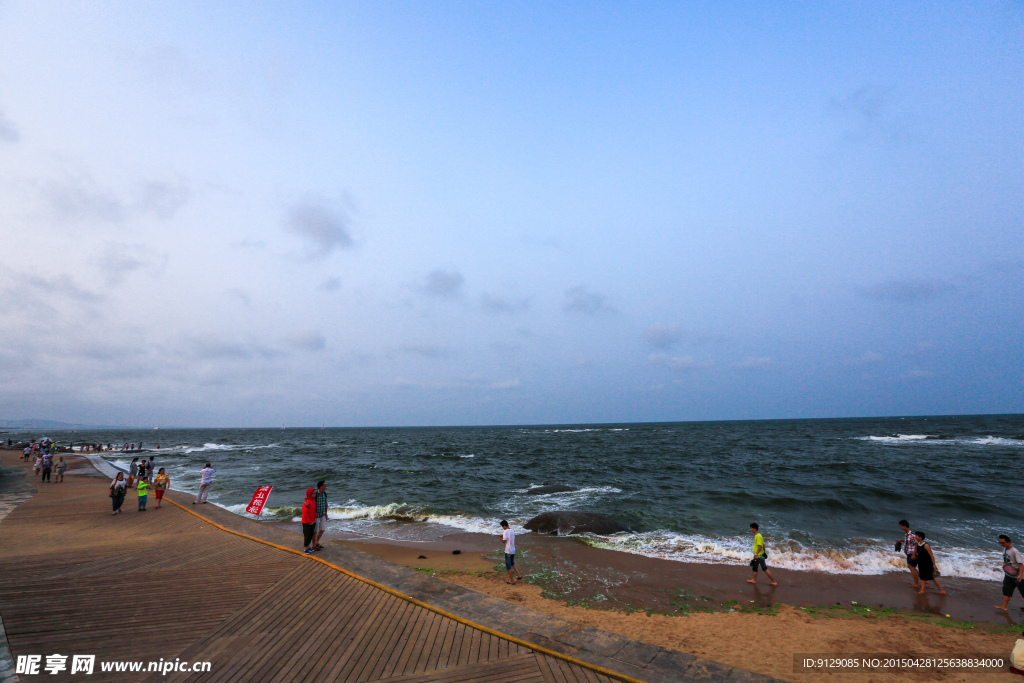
580 573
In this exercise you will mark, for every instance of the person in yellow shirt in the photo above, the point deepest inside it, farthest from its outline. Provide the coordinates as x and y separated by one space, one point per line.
760 555
143 491
161 483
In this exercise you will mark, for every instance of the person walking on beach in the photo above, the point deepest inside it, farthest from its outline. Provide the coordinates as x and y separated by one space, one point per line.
1013 571
161 483
118 488
61 466
308 520
133 472
909 545
508 537
37 465
47 467
143 490
205 479
760 556
926 564
321 513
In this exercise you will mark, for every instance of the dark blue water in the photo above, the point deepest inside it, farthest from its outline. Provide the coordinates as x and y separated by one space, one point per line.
827 493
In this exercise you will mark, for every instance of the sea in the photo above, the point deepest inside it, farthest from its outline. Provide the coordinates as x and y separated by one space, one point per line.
827 493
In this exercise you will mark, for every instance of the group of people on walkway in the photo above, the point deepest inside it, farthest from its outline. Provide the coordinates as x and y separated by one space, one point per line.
314 517
141 478
44 466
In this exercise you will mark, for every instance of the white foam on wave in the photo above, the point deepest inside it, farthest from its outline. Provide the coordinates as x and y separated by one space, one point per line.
706 550
996 441
353 516
206 447
862 560
583 489
899 438
530 504
935 440
868 558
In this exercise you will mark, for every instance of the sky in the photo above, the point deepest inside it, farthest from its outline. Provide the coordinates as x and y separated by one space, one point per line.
363 213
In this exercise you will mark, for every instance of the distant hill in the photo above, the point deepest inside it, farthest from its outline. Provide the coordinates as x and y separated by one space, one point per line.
48 424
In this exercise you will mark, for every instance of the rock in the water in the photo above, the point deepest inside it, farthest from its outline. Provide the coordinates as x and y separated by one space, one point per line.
549 488
566 523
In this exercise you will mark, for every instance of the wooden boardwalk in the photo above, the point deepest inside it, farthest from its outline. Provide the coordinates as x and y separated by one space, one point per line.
164 584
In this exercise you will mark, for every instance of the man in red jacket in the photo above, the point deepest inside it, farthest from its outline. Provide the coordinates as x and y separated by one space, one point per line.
309 519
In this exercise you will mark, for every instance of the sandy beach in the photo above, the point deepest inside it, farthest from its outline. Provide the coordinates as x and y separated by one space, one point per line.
710 611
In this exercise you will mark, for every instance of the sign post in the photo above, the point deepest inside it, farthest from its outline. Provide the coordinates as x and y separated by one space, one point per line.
259 499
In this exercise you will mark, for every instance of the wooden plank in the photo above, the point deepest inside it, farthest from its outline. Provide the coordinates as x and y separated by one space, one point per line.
444 635
519 669
385 649
346 601
400 663
360 633
419 662
387 659
543 663
385 636
467 644
455 646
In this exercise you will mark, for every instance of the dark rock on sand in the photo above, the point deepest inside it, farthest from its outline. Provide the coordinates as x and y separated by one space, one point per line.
549 488
565 523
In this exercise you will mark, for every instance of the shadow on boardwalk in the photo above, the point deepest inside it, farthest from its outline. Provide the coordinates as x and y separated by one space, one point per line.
167 585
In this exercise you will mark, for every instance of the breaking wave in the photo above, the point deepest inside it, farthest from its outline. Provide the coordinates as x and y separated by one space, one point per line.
861 559
944 440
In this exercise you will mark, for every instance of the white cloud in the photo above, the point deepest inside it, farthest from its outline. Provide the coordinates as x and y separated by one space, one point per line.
581 300
8 131
306 340
324 229
444 283
497 304
331 284
663 336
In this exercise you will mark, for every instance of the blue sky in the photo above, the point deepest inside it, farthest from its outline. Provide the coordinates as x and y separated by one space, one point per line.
429 213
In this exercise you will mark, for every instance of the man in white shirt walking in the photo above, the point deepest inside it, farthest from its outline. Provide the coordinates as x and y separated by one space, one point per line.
1013 571
205 479
508 537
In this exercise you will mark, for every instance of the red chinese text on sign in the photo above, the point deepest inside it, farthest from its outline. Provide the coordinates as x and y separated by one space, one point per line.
259 499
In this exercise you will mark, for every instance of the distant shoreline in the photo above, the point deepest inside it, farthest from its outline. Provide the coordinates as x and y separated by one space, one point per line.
25 425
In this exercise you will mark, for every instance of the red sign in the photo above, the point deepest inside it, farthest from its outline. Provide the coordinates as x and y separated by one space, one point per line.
259 499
